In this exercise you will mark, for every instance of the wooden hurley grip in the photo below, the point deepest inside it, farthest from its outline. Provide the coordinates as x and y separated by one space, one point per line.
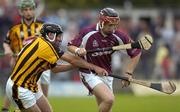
122 47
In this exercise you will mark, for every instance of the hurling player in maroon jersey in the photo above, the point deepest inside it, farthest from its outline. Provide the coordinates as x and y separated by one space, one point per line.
103 34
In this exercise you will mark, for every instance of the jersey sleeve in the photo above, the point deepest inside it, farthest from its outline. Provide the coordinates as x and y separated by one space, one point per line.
127 39
10 34
48 53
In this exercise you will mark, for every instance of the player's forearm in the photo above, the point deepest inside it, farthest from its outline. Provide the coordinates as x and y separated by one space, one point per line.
62 68
133 63
7 49
83 64
77 61
72 49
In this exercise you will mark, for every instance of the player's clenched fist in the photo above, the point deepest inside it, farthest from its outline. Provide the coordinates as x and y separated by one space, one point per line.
124 82
100 71
80 51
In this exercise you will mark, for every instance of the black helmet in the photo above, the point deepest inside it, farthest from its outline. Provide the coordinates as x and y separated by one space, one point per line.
109 12
108 15
50 27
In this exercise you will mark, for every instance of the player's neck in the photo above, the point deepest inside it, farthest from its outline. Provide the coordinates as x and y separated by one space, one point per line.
28 21
104 35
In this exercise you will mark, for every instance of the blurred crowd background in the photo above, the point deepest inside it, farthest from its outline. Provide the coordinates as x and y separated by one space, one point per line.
159 18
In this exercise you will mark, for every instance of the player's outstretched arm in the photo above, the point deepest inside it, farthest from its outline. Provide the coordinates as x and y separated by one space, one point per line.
78 62
130 69
7 49
62 68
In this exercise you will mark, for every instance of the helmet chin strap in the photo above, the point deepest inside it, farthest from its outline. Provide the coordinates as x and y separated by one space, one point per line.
51 40
101 25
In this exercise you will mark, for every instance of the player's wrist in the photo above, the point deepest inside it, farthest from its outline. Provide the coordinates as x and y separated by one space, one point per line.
92 68
76 51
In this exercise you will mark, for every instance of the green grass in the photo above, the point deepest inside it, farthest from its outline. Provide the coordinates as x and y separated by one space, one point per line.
123 103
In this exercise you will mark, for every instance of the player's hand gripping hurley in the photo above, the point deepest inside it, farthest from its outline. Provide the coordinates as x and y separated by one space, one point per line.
144 43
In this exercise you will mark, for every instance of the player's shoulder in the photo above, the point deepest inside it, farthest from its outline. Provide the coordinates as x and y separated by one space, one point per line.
39 21
88 29
41 40
121 31
15 26
123 35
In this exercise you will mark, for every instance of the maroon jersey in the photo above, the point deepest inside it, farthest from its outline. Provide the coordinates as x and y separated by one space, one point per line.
90 38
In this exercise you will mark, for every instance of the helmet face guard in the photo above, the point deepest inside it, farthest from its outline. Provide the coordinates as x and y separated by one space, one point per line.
111 20
108 15
51 39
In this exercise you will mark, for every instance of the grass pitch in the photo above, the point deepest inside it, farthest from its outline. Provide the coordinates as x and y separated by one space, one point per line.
123 103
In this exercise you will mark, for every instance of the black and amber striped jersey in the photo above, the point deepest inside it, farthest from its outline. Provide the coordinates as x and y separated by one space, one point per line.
34 58
19 32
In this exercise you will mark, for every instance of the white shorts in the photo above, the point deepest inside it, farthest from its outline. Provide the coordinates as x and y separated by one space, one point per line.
24 97
90 80
45 77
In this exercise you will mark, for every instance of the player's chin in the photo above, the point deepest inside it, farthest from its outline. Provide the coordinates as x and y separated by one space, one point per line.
57 44
29 18
108 33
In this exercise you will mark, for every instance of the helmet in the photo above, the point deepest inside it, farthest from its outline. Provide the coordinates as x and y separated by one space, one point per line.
26 3
50 27
108 15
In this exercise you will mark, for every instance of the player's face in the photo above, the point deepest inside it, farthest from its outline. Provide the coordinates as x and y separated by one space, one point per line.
28 13
109 28
59 38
